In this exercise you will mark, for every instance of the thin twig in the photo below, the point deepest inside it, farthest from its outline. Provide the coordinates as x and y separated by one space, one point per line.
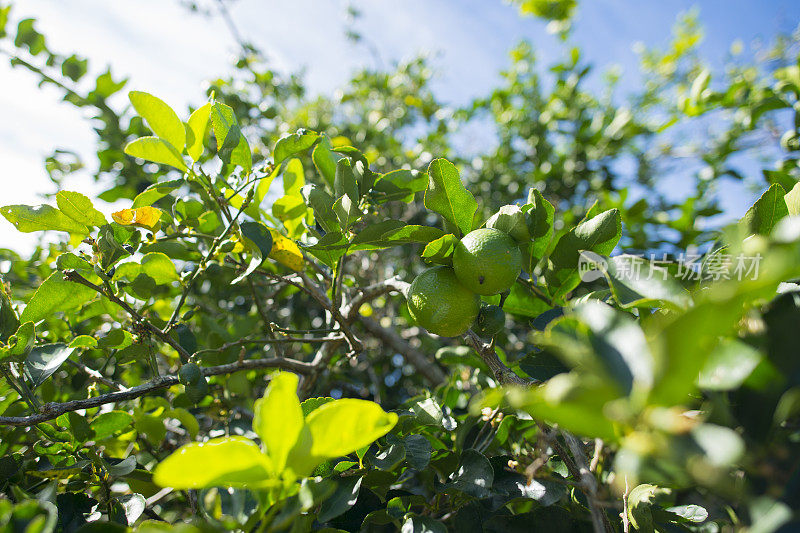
50 411
588 483
503 374
72 275
96 376
282 340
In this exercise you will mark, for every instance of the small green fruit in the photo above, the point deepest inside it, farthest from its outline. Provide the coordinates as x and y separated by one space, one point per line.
487 261
197 391
440 304
189 374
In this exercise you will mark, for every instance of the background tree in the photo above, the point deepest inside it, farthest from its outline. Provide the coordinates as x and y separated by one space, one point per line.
270 231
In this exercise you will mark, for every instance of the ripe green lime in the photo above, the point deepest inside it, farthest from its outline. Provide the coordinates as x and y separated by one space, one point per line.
490 321
189 374
487 261
440 304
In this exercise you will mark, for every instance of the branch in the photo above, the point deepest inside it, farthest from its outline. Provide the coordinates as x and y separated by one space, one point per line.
503 374
423 363
50 411
579 468
371 292
588 483
282 340
72 275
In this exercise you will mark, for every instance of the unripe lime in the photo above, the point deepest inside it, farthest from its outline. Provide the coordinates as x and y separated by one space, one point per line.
440 304
197 391
490 321
487 261
189 374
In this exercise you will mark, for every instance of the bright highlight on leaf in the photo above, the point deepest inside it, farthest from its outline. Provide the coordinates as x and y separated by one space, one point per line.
155 150
39 218
160 117
79 208
294 444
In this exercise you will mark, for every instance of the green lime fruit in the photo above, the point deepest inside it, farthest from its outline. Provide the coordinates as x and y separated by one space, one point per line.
197 391
189 374
487 261
440 304
490 321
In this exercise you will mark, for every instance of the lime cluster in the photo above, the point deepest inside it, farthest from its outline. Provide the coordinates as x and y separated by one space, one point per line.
446 301
193 381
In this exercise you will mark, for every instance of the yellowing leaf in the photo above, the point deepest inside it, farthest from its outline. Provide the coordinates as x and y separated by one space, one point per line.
286 252
142 217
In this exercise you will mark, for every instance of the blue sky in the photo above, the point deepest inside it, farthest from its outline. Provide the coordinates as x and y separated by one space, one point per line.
167 51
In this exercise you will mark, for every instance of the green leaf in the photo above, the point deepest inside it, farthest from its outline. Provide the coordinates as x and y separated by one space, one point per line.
278 418
347 212
692 513
792 199
637 282
160 267
313 403
41 218
440 250
79 208
9 321
474 476
641 501
599 234
511 219
343 498
44 360
575 402
198 125
765 213
521 301
596 338
220 462
539 214
722 446
325 160
83 341
156 150
258 240
55 295
728 366
155 192
291 208
422 524
447 196
395 234
262 189
160 117
321 203
345 181
342 426
232 147
683 345
293 143
21 342
400 185
111 423
418 451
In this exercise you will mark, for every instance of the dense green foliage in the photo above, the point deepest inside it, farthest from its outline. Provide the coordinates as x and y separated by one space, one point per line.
233 349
